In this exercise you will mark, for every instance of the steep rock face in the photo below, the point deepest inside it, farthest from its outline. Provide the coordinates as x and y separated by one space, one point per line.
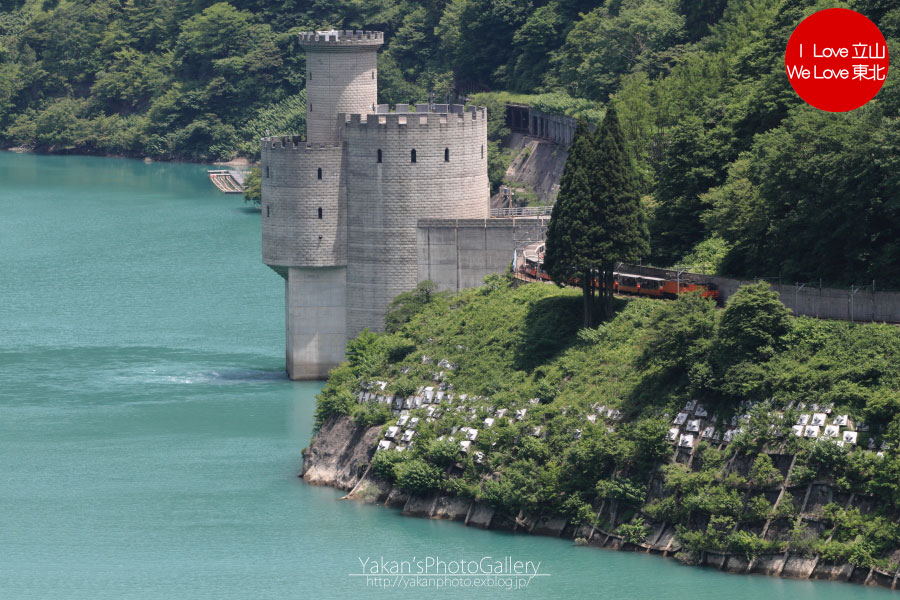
541 166
339 455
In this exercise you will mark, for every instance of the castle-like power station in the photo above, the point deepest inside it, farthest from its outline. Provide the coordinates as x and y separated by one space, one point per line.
341 208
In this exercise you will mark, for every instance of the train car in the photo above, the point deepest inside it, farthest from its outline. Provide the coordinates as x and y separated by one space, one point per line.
671 289
638 285
623 282
534 271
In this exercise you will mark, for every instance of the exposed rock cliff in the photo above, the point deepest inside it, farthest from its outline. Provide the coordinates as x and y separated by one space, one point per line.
340 453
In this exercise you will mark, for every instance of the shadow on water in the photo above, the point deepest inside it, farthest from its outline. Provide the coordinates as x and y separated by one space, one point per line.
248 210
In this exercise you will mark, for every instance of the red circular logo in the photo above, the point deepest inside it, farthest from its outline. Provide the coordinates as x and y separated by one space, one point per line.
836 59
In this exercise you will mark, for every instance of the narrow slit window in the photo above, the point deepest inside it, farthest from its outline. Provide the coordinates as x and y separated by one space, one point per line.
268 210
446 154
482 151
412 155
373 74
379 155
319 174
320 212
267 172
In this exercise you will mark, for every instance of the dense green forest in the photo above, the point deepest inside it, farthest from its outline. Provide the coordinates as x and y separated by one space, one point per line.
735 171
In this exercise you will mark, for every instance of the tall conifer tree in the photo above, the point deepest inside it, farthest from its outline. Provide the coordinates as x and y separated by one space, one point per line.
616 205
569 234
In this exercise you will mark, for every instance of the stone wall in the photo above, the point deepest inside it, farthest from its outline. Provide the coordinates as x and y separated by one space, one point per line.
459 253
386 199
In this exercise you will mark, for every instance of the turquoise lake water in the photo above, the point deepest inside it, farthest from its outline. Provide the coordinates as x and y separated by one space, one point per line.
149 440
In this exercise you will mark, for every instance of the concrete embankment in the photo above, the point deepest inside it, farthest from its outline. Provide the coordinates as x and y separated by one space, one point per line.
341 452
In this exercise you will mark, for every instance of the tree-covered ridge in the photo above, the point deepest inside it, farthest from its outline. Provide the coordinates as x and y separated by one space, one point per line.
579 419
182 79
736 172
159 78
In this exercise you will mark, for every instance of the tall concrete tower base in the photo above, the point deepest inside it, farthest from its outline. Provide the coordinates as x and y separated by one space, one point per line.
315 309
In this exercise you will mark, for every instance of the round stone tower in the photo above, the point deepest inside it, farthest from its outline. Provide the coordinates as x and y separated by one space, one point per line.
340 208
400 167
304 203
341 77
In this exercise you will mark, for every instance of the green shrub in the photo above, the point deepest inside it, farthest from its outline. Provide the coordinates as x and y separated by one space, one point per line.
397 347
635 532
667 509
371 413
786 508
336 397
418 477
715 537
577 510
802 540
826 457
253 187
758 508
623 490
442 453
458 486
715 500
406 305
385 462
763 473
802 475
750 545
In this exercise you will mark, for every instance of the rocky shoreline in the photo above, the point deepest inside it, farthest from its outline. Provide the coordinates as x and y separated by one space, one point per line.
339 457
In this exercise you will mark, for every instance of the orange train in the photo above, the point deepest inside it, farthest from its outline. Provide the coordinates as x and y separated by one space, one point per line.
629 283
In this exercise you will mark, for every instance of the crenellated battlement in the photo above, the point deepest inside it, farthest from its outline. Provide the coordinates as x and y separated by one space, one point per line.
295 142
424 115
336 39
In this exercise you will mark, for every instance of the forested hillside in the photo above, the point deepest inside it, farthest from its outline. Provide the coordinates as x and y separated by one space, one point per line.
529 414
736 172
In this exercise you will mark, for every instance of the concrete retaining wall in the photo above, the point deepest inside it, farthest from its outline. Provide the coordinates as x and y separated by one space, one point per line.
559 129
540 167
810 300
828 303
459 253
